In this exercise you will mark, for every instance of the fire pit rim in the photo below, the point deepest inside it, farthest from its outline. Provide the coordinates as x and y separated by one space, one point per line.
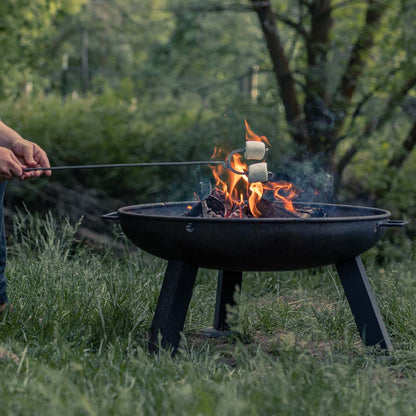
378 214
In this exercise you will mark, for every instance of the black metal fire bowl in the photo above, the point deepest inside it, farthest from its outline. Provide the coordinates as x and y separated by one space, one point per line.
233 246
254 244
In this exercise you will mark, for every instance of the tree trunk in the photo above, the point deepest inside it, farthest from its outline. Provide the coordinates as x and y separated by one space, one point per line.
319 120
356 63
84 62
281 70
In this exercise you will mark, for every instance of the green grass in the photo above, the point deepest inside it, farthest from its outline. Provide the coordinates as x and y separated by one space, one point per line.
80 325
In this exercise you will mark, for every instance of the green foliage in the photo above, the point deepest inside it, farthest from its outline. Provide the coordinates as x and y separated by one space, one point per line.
104 130
169 79
116 128
25 30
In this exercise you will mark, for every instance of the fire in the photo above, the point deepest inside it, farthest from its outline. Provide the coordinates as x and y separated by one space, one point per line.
253 136
237 188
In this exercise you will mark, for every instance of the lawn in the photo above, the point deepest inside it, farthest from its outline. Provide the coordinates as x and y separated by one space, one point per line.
75 343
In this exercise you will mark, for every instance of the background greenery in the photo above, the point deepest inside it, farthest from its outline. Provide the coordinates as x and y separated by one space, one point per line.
169 79
119 81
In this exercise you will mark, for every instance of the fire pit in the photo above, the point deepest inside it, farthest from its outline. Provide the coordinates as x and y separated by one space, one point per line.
255 244
258 244
243 226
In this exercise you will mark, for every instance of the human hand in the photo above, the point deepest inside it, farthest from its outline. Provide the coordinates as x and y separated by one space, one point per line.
30 155
10 166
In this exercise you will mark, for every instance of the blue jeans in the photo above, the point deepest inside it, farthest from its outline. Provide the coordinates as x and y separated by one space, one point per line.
3 280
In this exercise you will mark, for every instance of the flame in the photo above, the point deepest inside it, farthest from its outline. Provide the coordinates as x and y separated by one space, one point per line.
236 187
256 189
253 136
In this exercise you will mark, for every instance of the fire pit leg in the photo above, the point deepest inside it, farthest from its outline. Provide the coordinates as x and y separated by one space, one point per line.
226 289
172 305
363 305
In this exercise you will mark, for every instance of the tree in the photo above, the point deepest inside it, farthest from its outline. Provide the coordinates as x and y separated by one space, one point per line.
25 27
121 35
344 70
329 108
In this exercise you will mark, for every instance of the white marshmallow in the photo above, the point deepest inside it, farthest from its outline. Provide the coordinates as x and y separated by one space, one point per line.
255 150
257 172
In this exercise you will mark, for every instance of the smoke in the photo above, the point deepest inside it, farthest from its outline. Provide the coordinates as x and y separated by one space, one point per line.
310 175
314 183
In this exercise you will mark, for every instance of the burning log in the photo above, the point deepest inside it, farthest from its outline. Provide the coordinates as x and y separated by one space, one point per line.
216 205
271 209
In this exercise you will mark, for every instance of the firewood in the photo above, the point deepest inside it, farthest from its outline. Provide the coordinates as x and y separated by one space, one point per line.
216 205
270 209
195 211
309 212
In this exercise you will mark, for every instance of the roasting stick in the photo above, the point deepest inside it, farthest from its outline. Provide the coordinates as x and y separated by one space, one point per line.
257 172
254 150
130 165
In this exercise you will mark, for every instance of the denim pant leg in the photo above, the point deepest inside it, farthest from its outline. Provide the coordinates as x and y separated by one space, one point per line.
3 281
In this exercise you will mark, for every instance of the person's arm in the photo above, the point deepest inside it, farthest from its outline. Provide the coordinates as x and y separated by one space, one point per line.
8 136
17 153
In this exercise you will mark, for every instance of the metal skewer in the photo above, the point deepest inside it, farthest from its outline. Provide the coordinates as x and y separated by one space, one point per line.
256 172
125 165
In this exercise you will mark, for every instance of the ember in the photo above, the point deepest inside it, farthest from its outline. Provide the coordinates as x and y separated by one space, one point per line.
234 197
